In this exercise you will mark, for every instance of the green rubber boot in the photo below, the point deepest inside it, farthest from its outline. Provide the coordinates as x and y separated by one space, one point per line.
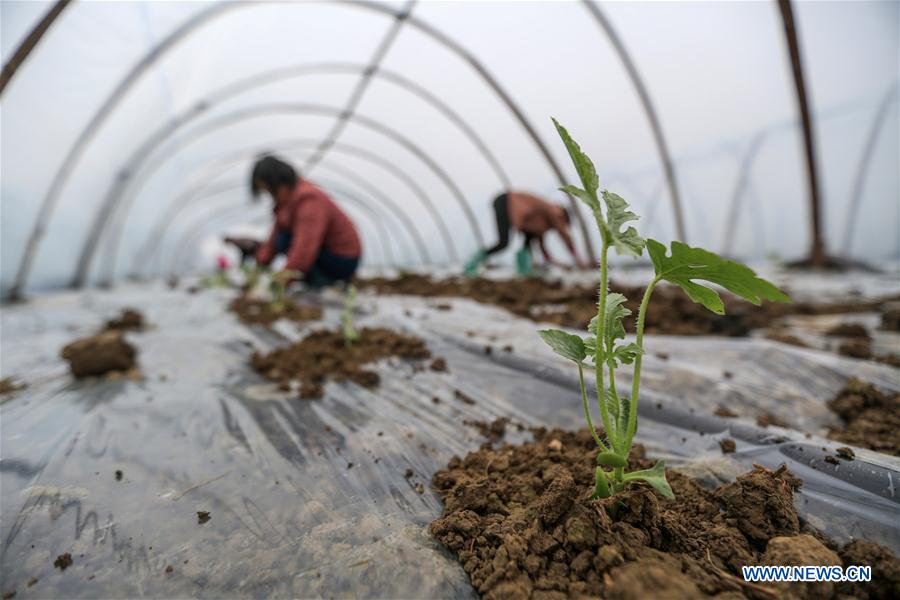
471 268
523 263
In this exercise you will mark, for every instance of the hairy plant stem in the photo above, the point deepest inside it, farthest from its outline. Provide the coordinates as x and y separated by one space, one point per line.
636 378
611 433
587 410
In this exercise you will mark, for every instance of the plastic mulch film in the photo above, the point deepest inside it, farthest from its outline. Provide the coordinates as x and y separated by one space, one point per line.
315 498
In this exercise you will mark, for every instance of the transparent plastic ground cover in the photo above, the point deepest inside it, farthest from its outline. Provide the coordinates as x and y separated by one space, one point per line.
312 498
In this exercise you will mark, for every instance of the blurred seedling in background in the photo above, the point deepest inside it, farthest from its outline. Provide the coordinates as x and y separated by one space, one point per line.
278 285
604 345
347 329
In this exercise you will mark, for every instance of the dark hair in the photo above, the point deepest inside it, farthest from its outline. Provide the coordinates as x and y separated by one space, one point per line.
272 172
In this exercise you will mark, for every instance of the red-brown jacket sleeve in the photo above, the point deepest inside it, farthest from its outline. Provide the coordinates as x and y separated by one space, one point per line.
310 225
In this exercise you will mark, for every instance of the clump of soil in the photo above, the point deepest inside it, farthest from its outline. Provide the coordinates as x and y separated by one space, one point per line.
766 419
872 417
253 311
63 561
520 520
890 317
494 431
849 330
785 338
8 385
203 516
671 312
100 354
439 365
727 445
129 320
324 355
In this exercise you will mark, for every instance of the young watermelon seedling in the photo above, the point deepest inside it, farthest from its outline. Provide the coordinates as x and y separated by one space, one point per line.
692 269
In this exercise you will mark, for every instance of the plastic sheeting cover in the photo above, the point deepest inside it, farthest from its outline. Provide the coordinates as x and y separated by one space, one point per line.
310 498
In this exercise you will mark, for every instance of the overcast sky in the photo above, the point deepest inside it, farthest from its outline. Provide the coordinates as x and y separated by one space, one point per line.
717 74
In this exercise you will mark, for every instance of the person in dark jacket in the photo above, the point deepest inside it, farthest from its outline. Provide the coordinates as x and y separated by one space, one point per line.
533 216
318 239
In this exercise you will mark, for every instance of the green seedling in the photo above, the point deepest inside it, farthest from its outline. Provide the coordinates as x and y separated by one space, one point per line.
692 269
252 274
347 329
277 287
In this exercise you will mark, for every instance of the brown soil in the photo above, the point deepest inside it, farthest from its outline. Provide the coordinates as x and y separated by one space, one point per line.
63 561
671 312
890 318
494 431
727 445
203 516
129 320
258 312
438 365
850 330
872 417
324 355
785 338
766 419
521 521
8 385
99 354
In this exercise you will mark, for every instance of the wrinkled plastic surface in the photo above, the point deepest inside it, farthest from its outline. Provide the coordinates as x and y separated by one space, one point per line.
311 498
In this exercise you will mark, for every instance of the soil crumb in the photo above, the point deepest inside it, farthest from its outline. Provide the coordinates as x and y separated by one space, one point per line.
494 431
785 338
324 355
63 561
727 445
725 412
439 365
520 520
252 311
8 385
129 320
464 398
100 354
850 330
871 417
203 516
118 475
766 419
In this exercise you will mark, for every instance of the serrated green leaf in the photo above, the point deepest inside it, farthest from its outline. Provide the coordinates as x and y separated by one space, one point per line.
656 477
626 354
625 413
687 264
628 242
590 345
612 403
583 165
615 312
565 344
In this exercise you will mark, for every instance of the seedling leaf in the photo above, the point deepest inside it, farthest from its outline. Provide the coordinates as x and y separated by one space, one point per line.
611 459
565 344
584 196
628 242
656 477
583 165
687 264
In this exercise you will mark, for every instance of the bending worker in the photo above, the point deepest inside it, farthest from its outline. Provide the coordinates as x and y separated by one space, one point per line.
532 216
319 240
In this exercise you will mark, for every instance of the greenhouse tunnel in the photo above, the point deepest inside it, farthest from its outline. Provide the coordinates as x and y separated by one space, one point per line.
766 132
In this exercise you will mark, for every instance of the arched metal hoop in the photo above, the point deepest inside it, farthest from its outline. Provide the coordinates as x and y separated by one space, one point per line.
59 181
661 146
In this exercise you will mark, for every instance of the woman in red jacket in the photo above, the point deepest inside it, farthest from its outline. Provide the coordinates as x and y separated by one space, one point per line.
319 240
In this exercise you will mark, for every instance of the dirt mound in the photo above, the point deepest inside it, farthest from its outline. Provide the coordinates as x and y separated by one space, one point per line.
872 417
258 312
848 330
671 312
98 354
520 520
129 320
324 355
